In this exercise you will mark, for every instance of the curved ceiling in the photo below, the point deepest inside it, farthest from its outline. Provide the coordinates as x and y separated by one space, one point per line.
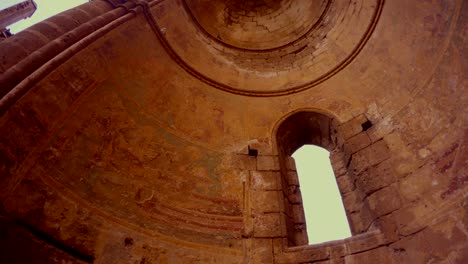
265 47
257 24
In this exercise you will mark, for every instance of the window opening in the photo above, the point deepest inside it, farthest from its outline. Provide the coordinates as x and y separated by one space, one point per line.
323 207
311 128
43 10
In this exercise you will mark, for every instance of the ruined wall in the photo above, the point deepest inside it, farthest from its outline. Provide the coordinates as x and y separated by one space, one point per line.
125 133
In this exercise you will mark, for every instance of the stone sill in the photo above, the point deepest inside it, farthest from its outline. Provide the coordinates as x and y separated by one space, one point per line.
353 244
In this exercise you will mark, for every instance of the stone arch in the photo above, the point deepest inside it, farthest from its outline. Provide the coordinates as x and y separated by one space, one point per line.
317 128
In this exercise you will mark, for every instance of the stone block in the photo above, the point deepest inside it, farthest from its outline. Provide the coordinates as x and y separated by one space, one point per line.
279 245
352 127
240 161
338 172
360 220
300 234
262 251
290 163
262 145
411 218
47 30
445 237
357 142
264 180
376 177
404 157
379 255
289 230
29 41
339 163
363 242
283 183
412 249
370 156
337 251
268 163
384 201
352 201
292 178
380 129
298 214
10 54
265 201
287 208
294 194
377 152
345 184
306 255
267 225
388 226
414 185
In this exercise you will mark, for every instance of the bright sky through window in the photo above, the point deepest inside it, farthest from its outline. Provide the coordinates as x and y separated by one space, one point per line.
45 9
325 215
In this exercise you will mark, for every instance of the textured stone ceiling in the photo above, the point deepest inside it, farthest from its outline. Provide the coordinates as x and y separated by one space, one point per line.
266 48
125 131
257 24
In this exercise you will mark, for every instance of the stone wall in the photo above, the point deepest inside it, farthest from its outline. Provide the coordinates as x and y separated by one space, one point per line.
128 135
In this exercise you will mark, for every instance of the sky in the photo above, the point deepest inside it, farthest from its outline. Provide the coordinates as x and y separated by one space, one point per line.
325 215
45 9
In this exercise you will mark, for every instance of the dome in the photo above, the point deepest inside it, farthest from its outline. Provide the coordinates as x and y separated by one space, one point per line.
266 48
257 25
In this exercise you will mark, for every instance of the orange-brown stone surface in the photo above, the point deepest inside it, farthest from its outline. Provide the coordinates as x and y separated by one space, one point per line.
160 131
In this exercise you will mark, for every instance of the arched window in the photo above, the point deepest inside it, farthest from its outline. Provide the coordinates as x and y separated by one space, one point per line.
323 207
311 128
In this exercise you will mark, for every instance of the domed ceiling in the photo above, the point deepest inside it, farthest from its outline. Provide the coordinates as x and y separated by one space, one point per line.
257 25
266 47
